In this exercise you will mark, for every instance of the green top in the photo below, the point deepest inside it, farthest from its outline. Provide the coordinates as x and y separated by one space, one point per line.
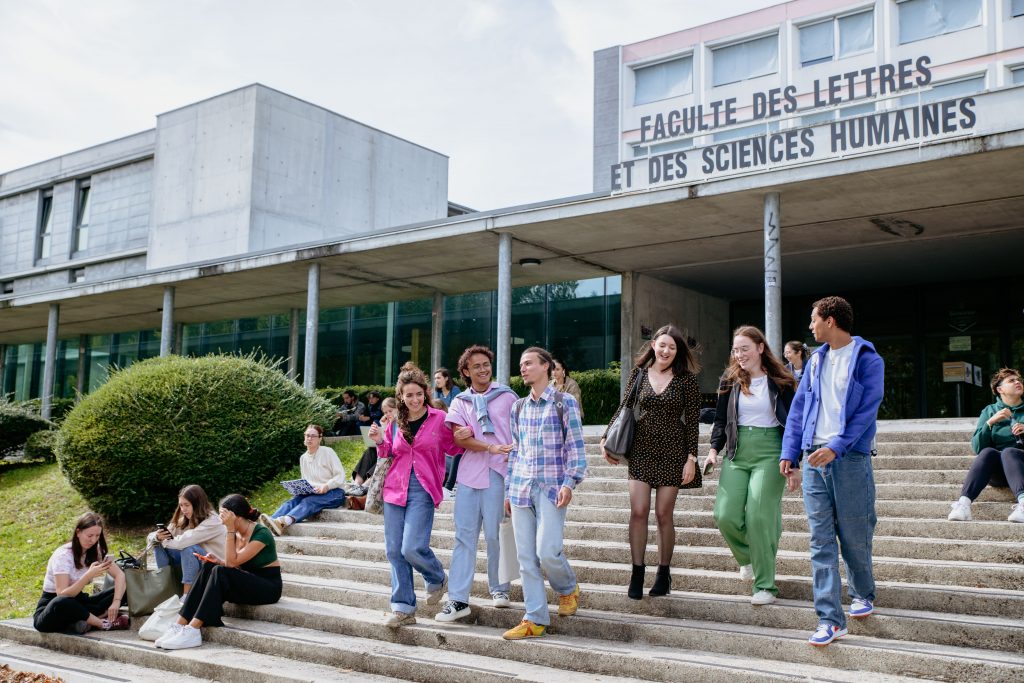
998 435
269 552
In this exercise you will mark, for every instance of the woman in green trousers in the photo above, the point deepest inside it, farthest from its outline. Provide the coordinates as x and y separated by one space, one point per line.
754 397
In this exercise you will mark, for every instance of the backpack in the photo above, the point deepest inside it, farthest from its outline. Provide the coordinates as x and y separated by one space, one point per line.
559 408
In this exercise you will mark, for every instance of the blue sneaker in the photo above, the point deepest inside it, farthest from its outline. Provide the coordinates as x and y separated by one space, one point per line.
825 634
860 608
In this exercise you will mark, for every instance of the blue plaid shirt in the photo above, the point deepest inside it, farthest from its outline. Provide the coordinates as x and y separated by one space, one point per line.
541 455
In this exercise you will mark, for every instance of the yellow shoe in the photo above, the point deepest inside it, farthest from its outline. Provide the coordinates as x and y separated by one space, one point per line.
568 604
526 629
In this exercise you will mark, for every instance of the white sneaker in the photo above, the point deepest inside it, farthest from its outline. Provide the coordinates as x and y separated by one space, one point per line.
453 611
186 637
747 572
762 598
961 512
172 631
1017 515
500 599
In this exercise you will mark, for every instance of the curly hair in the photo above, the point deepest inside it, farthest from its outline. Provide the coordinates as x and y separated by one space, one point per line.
1001 375
838 308
773 367
410 374
463 365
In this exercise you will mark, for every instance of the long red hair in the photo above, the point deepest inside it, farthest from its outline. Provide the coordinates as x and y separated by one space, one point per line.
776 371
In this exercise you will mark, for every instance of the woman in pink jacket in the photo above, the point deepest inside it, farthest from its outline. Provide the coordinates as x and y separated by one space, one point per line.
412 491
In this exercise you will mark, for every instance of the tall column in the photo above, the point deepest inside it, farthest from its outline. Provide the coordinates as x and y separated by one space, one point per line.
436 331
3 367
628 329
293 344
83 357
49 369
179 338
389 346
504 345
773 272
312 326
167 323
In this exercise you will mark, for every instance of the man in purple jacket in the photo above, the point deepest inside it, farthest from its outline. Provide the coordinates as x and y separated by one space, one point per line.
831 427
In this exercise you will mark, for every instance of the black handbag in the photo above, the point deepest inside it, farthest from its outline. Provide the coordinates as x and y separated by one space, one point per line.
619 438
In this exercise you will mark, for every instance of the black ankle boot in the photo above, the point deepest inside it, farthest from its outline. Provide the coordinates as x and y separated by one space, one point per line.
636 582
663 583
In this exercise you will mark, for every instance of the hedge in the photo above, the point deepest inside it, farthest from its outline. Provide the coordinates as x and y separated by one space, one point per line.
17 424
227 423
59 407
41 445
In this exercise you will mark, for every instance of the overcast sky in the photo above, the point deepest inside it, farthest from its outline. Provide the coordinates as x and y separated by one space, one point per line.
504 88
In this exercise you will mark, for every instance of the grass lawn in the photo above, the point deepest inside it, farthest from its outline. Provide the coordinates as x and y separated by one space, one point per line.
38 509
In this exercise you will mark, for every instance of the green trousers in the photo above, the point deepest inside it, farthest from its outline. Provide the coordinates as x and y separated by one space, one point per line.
748 507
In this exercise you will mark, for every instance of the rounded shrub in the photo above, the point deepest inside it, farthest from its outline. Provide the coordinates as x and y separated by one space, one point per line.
17 424
40 446
227 423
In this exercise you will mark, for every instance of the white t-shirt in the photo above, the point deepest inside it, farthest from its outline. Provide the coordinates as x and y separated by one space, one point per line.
756 410
62 561
835 377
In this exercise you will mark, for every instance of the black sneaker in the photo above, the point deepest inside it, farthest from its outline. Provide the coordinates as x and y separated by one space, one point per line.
452 610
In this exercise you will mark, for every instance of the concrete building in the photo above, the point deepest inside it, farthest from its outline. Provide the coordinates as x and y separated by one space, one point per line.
741 170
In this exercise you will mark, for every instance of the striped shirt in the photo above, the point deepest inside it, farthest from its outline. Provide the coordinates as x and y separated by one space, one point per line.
546 453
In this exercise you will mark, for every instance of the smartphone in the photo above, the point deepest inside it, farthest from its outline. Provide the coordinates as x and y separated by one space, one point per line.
161 526
108 558
709 467
205 558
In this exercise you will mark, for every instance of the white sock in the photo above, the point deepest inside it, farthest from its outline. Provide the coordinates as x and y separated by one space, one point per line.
964 500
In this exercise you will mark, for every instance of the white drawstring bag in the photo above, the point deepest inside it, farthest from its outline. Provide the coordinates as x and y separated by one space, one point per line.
164 614
508 560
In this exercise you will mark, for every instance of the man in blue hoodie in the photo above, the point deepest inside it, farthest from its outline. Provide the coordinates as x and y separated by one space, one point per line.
831 427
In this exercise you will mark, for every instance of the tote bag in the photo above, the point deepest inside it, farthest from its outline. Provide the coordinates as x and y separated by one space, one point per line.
374 503
164 614
508 557
147 588
619 438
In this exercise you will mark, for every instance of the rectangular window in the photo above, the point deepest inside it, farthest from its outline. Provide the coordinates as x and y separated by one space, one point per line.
43 242
76 275
82 210
946 91
920 19
1017 8
664 80
837 38
1017 75
7 287
750 59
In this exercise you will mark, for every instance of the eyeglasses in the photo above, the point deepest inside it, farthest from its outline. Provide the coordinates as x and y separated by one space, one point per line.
312 436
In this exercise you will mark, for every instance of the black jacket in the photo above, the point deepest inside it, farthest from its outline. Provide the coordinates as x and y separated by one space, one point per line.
723 434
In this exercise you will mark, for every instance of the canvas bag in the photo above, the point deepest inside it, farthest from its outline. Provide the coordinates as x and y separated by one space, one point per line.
508 557
374 503
164 614
146 588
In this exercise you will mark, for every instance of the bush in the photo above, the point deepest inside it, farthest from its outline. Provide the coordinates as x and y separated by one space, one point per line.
599 391
17 424
59 407
227 423
333 394
41 445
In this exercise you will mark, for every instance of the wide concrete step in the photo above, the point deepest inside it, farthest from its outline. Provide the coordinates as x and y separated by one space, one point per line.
923 476
31 659
883 546
990 633
652 649
941 449
646 648
579 521
959 462
213 661
893 594
888 432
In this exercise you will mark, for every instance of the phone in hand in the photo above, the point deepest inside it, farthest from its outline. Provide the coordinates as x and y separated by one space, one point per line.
709 467
160 526
206 558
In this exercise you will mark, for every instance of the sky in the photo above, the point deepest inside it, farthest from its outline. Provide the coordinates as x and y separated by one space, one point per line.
503 88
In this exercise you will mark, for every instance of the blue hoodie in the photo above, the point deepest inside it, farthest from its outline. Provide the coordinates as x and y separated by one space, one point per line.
857 419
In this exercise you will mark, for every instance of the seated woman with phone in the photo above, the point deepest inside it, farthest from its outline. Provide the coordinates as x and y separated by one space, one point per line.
64 606
249 574
194 528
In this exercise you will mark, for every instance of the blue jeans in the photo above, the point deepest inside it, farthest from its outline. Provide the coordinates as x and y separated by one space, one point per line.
840 502
183 558
303 507
407 543
473 508
539 531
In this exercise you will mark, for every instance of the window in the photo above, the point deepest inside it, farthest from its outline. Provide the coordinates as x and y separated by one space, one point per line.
945 91
750 59
44 240
855 33
673 146
664 80
1017 75
76 275
1016 8
920 19
7 287
82 209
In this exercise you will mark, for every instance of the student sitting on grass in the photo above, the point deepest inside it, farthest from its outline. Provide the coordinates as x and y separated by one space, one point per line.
64 606
250 574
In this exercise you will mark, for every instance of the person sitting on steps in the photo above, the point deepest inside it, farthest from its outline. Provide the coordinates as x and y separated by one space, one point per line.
321 467
194 528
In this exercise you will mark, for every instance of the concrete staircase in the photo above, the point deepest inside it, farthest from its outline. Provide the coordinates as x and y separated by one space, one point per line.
950 599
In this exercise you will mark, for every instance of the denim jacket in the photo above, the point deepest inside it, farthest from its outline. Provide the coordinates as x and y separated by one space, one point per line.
858 415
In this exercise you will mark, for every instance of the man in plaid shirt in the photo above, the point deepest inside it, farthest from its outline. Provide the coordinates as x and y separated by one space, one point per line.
548 461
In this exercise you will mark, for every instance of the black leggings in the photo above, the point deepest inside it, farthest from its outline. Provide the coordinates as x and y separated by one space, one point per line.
993 467
366 465
216 585
58 613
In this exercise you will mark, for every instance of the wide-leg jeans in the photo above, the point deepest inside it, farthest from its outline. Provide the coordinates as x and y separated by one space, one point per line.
539 531
407 543
476 508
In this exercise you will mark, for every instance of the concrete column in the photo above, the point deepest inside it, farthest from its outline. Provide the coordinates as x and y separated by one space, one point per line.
504 345
167 323
293 344
312 326
389 347
773 272
3 367
627 331
83 357
436 331
179 338
50 368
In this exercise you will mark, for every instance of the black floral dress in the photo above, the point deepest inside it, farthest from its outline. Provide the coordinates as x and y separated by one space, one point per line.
666 431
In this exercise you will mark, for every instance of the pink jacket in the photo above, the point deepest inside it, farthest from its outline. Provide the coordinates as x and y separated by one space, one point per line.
426 456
